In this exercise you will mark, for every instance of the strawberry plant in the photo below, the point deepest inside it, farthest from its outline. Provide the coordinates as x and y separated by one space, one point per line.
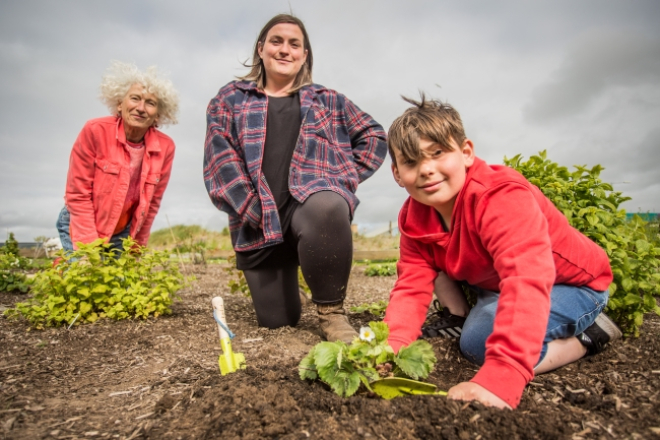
93 282
367 359
12 277
380 269
592 207
377 308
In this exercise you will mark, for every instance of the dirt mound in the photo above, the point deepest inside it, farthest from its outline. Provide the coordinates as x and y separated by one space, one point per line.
160 380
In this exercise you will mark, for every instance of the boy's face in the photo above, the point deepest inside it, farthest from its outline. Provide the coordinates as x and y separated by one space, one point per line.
437 178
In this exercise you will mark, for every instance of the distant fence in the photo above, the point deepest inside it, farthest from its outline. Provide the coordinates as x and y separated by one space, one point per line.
648 216
388 254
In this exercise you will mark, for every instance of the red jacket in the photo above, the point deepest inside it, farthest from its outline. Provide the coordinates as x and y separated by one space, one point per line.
505 236
98 180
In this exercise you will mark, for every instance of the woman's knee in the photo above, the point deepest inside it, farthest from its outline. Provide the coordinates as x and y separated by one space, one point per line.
326 206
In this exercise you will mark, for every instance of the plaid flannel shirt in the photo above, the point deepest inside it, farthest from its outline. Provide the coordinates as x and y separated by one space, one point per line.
338 147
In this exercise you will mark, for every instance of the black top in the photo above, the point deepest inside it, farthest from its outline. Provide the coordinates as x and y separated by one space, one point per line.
282 128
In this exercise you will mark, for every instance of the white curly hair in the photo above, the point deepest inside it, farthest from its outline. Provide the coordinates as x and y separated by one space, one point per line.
121 76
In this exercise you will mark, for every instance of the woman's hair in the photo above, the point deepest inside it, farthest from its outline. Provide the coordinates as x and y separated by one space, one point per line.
434 120
258 73
121 76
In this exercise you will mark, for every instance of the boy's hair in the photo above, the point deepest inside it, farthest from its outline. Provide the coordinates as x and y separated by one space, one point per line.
435 120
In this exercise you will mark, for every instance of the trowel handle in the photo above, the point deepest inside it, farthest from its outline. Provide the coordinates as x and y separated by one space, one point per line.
219 310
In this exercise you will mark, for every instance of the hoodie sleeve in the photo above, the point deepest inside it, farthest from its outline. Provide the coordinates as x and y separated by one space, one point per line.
514 231
411 296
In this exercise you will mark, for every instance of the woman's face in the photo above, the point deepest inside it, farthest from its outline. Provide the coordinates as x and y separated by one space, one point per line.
139 108
283 53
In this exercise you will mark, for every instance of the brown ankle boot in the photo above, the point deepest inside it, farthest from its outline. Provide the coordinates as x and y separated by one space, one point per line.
334 323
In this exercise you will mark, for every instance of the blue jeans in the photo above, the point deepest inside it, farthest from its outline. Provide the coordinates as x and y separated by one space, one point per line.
63 222
572 310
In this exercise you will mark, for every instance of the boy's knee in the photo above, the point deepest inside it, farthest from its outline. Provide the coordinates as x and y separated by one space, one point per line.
473 345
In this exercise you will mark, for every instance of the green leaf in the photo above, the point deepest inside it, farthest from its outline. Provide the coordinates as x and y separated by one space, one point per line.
416 360
381 331
326 354
307 368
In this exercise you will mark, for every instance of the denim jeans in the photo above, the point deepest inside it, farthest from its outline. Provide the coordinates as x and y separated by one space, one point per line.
63 224
572 310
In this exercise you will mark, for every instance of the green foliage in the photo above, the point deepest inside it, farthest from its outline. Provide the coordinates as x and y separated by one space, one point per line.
380 269
189 236
236 283
11 246
377 308
12 277
592 207
367 359
94 282
302 283
196 248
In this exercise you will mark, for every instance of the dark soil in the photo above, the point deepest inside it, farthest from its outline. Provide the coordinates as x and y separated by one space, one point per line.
160 380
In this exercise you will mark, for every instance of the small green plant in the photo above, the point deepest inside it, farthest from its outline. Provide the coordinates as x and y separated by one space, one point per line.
302 283
11 246
376 308
94 282
236 283
592 207
380 269
12 277
367 359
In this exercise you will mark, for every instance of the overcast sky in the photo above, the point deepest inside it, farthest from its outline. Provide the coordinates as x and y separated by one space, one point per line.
580 79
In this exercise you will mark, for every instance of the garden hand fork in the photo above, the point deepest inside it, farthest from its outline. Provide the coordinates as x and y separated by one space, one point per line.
228 360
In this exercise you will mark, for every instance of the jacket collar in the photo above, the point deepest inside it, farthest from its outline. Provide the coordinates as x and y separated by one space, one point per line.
252 87
151 142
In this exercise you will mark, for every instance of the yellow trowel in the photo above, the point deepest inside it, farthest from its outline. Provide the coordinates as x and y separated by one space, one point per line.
392 387
228 360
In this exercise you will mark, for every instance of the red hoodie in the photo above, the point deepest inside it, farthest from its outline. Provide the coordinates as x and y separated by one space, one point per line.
505 236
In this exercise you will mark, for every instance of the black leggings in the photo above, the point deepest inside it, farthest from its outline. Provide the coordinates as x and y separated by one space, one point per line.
320 241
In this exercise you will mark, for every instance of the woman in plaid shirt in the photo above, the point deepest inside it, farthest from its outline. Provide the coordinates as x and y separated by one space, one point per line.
283 157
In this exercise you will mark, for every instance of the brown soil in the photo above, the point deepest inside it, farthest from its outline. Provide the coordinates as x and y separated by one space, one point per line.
160 380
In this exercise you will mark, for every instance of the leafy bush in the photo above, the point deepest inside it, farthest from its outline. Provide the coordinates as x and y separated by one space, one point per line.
592 207
377 308
380 269
368 358
94 282
12 277
11 246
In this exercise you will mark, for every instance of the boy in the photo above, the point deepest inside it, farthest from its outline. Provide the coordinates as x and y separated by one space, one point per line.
541 285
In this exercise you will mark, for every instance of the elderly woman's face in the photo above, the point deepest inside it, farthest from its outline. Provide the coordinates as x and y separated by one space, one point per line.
139 109
283 52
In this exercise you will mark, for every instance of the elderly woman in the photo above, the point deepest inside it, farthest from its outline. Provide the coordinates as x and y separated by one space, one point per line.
283 157
120 165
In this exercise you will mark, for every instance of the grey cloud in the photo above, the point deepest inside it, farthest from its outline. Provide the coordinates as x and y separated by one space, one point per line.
600 60
488 58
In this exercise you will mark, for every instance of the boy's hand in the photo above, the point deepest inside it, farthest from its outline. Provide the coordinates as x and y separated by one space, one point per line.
472 391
